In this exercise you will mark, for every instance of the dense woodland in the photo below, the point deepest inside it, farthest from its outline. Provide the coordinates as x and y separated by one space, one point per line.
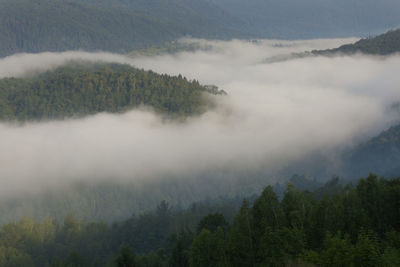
310 19
113 25
380 154
333 226
384 44
81 89
122 25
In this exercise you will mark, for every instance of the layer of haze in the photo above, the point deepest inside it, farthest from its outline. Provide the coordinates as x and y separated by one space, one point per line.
273 114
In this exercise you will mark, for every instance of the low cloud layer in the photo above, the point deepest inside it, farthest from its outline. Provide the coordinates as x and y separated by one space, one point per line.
273 114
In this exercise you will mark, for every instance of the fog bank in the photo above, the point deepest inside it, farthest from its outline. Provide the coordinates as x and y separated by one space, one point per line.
274 114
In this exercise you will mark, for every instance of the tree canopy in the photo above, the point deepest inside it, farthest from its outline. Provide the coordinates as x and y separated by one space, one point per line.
356 226
79 89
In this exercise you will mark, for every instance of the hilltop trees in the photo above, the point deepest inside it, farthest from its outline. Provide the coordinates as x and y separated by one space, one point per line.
82 89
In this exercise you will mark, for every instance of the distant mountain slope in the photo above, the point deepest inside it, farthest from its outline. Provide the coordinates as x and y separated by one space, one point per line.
122 25
59 25
384 44
192 15
83 89
199 18
294 19
380 155
381 45
35 26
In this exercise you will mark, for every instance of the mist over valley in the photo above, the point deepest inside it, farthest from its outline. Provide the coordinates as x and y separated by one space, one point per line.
196 133
273 116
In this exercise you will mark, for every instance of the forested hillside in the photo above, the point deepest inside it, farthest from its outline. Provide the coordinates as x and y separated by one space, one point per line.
122 25
82 89
355 226
384 44
118 26
381 154
295 19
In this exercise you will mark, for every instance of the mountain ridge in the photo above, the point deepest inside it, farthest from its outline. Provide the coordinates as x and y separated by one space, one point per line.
43 25
384 44
123 25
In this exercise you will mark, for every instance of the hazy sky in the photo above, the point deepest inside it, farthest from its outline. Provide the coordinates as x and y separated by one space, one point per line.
273 114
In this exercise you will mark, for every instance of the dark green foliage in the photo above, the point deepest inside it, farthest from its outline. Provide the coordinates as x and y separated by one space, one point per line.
337 251
367 250
240 239
296 206
179 256
148 231
11 257
209 249
75 260
125 258
212 222
81 89
280 245
391 254
340 229
267 211
160 238
348 227
267 214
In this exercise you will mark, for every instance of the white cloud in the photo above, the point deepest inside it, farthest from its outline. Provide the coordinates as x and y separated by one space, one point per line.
274 113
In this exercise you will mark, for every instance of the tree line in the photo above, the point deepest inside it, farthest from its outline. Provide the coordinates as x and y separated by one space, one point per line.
354 225
384 44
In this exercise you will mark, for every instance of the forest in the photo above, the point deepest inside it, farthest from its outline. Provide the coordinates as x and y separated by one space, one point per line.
384 44
118 26
380 154
308 19
79 89
353 222
352 225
